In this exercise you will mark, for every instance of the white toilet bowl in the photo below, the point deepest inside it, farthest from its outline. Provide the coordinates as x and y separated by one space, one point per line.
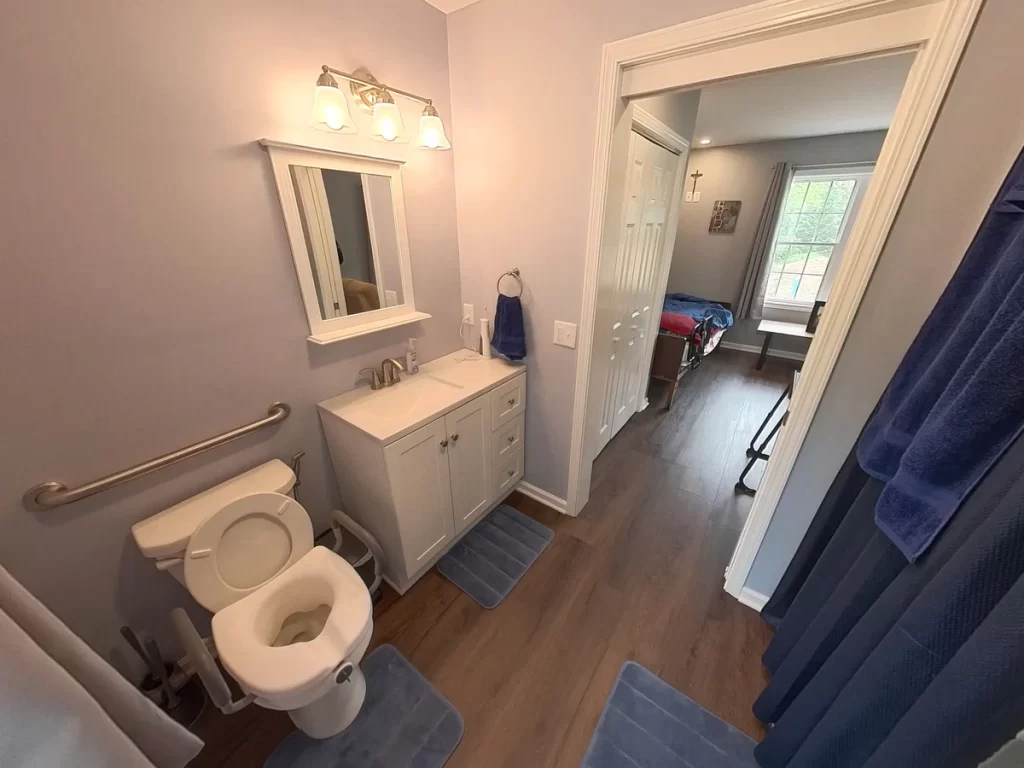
291 621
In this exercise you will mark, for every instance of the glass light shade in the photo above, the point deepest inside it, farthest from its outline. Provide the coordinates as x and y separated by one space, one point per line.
330 111
432 133
387 123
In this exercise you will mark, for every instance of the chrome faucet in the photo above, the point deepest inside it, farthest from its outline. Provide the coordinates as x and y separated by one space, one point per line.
388 375
390 369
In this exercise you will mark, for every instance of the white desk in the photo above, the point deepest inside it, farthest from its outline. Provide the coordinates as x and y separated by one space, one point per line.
770 327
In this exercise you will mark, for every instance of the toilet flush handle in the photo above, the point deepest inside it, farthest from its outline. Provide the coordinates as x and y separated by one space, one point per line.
344 672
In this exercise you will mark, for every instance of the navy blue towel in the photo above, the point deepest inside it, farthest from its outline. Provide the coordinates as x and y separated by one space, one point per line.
509 337
957 400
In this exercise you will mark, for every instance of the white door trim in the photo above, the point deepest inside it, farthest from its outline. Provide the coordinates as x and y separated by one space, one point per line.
939 37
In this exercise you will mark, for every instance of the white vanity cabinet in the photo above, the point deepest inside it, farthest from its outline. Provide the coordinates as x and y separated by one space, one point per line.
419 463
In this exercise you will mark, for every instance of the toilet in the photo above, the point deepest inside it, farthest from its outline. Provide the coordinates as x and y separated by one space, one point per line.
291 621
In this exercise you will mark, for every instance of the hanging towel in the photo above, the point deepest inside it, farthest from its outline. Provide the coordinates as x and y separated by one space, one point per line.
509 339
957 400
61 704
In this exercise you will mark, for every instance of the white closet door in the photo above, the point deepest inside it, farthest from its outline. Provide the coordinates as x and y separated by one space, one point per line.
618 293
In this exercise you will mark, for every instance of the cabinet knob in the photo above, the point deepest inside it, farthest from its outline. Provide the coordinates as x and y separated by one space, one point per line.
511 472
444 443
455 437
511 401
511 438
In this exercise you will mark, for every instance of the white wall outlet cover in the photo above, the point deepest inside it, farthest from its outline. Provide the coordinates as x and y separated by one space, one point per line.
467 314
565 334
689 197
391 298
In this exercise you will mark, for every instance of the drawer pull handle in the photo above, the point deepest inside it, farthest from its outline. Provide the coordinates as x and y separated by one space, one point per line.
511 438
455 437
511 401
511 472
444 443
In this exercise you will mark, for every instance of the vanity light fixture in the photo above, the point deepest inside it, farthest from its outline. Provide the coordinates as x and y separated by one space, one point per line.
432 130
331 113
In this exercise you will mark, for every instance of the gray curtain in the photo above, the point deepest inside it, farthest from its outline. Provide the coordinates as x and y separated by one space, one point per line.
752 296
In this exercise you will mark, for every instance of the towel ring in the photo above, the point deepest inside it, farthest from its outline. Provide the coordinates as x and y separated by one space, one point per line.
514 272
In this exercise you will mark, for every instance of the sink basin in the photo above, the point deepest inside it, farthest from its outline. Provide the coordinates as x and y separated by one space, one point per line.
418 393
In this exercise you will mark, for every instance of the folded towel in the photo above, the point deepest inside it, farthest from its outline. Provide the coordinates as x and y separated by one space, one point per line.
509 339
957 400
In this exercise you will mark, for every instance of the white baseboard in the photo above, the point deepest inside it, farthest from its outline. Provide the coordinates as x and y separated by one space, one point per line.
757 350
545 498
752 599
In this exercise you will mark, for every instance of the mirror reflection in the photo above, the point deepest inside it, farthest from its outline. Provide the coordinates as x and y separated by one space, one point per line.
348 220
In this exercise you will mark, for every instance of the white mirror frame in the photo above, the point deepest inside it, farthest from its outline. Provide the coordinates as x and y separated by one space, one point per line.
322 331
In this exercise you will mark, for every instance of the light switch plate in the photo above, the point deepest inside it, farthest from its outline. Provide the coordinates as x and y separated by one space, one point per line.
696 197
689 197
565 334
467 314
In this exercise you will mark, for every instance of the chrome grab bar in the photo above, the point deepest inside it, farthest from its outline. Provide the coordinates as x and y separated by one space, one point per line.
52 494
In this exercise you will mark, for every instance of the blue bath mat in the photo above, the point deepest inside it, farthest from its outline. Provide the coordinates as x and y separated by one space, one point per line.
492 558
404 722
648 722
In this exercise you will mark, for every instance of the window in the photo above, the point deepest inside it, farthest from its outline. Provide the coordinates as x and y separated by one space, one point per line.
810 233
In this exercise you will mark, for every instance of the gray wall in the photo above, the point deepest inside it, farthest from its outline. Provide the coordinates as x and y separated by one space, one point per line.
975 141
713 266
148 290
677 110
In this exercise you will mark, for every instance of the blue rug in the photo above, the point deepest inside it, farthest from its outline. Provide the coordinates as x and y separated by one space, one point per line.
490 559
646 722
404 722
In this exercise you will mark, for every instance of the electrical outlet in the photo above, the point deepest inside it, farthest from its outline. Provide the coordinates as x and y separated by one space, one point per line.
689 197
565 334
467 314
390 298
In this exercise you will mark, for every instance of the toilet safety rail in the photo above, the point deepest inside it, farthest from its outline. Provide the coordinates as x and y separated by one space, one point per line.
52 494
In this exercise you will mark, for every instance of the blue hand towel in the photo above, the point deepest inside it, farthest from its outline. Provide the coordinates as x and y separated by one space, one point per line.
957 400
509 338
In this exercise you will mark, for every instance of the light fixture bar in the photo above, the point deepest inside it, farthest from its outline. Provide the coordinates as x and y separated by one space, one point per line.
377 86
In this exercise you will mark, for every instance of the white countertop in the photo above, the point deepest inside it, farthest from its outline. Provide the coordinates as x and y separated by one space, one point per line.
441 385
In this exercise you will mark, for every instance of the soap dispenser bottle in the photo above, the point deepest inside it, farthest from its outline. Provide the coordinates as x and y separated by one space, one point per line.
412 364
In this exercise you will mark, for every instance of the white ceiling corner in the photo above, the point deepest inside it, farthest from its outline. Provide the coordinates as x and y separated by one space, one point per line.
449 6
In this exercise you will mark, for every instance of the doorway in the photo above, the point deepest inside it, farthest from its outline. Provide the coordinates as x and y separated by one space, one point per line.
772 36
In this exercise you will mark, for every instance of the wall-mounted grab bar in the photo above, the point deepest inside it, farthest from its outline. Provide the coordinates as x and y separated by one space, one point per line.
50 495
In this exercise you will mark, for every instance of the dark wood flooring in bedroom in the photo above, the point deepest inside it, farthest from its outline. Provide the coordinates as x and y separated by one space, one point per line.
638 575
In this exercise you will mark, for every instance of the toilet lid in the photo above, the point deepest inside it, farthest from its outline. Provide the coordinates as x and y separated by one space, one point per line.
243 546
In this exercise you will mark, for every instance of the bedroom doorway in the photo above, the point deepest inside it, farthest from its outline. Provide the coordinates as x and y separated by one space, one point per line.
763 40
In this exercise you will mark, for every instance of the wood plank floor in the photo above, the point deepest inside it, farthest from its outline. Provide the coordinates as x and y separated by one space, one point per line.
638 575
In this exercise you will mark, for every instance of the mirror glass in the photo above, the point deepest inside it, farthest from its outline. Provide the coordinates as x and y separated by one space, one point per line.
351 232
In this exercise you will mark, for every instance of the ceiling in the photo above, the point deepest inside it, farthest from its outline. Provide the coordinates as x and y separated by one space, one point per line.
450 5
806 101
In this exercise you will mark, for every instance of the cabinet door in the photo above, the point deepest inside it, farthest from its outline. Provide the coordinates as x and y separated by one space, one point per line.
419 477
469 458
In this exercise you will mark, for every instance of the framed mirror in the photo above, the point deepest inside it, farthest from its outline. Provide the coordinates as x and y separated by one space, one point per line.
345 216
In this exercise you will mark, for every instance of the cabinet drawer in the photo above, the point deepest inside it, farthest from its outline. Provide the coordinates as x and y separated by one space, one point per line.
507 439
508 401
507 474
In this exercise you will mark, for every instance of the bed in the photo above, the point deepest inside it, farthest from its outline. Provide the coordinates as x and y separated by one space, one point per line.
691 327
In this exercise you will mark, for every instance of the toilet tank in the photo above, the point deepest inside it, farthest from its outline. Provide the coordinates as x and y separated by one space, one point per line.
165 535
